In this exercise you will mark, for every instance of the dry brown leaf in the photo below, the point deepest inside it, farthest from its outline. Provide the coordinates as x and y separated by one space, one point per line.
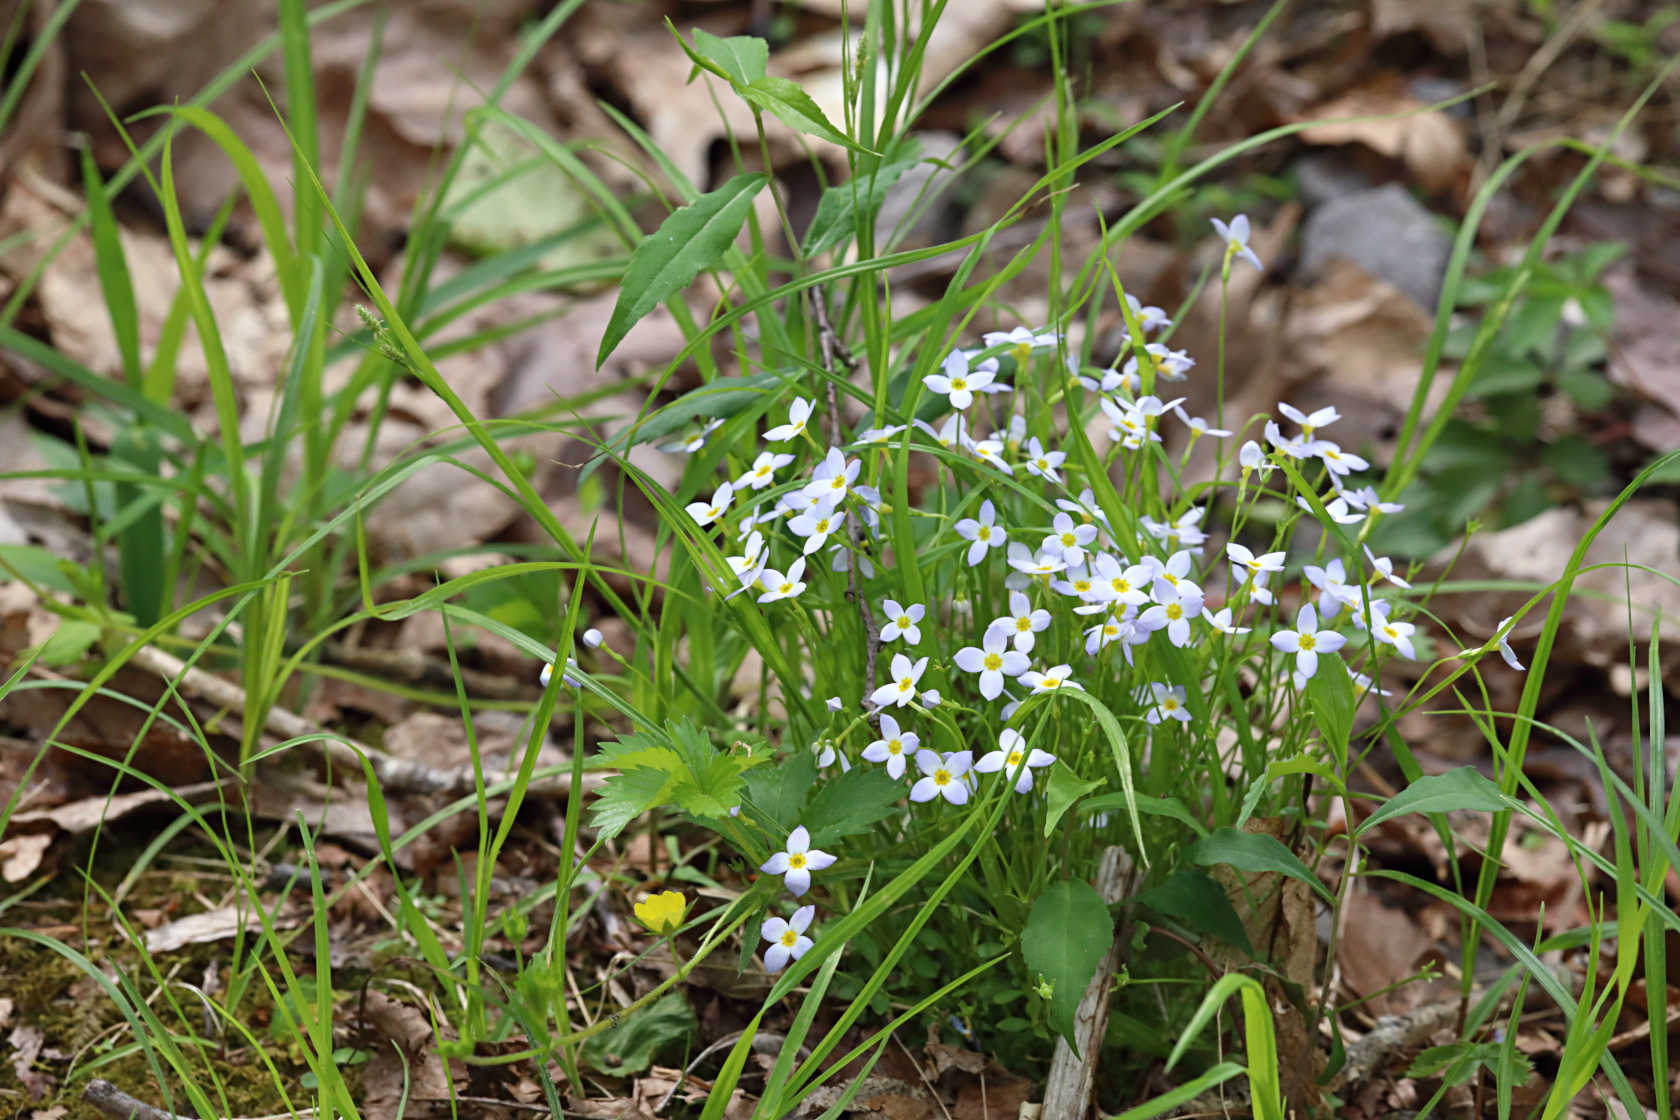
27 1043
1427 141
405 1064
1379 946
243 295
1643 532
21 855
211 925
1448 24
1363 340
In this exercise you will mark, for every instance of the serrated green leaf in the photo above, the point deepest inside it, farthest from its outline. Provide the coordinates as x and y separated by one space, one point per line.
836 214
1193 899
775 794
1067 933
626 796
38 566
692 238
1061 791
68 643
849 804
631 1046
1254 852
742 58
1464 788
794 108
1577 462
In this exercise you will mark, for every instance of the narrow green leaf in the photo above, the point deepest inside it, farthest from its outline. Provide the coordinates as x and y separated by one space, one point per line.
1122 752
115 283
1065 938
1253 851
1463 788
692 238
1330 696
742 58
794 108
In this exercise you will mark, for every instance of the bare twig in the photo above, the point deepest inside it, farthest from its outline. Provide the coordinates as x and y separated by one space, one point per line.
395 775
112 1101
834 353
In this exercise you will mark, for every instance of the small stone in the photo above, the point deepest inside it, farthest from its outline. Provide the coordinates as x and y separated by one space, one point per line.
1384 231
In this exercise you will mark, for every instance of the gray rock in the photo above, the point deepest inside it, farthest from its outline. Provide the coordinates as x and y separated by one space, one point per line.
1386 232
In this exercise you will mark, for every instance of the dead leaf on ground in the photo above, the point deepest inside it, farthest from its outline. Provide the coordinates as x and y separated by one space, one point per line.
405 1064
1379 946
1643 534
213 925
28 1043
1427 141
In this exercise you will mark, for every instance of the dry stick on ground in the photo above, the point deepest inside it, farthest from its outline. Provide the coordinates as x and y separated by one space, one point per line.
835 353
112 1101
1067 1092
395 775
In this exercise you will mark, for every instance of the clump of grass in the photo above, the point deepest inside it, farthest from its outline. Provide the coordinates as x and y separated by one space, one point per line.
971 686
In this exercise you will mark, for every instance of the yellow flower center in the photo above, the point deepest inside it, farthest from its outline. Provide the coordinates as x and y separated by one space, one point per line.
1308 641
941 777
796 860
895 746
1014 759
1052 682
959 383
904 622
905 684
790 937
1023 624
1069 540
994 662
983 533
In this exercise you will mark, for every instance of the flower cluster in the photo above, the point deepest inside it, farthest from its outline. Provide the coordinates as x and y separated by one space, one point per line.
1080 602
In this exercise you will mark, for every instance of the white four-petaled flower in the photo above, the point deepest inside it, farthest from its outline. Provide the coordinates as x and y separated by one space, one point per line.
943 776
797 861
957 382
984 531
799 412
787 938
993 660
1012 752
902 622
893 747
1307 641
901 689
1235 237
